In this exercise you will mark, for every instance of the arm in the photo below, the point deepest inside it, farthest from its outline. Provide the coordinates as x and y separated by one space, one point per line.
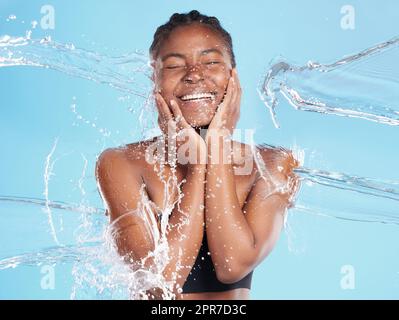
239 239
120 183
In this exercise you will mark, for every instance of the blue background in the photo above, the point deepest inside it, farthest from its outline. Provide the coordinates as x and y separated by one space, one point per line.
306 263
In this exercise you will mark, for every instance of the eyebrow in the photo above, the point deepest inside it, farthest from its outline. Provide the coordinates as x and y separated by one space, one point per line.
211 50
182 56
173 54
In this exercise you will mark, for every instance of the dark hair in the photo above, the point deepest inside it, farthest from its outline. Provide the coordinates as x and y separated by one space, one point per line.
183 19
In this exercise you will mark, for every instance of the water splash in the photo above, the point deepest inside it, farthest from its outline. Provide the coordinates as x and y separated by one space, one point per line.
130 73
11 17
80 183
370 200
371 187
51 255
51 204
48 171
98 270
113 275
364 85
330 186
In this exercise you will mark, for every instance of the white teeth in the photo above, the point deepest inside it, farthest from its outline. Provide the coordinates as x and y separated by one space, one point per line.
197 96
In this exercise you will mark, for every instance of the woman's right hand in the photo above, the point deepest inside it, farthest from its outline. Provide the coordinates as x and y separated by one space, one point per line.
171 121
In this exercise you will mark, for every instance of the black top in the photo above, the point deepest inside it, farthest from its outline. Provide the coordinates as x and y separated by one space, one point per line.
202 277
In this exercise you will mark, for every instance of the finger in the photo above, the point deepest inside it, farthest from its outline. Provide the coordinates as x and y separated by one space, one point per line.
228 94
234 89
164 113
233 105
163 108
236 79
179 118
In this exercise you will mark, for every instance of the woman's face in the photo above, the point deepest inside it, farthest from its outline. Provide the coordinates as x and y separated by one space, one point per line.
193 67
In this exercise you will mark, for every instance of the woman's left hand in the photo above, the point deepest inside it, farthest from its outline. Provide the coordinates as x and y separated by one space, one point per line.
228 112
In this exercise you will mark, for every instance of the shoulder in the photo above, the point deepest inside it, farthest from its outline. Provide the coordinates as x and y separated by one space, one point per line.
278 163
111 165
130 156
274 158
281 158
268 153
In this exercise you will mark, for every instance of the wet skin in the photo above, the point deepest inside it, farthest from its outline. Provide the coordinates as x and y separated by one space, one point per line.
194 59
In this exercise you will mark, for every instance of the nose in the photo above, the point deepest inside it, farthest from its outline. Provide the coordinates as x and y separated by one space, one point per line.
193 75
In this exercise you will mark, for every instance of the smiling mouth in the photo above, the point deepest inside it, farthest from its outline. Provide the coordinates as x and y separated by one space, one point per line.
198 97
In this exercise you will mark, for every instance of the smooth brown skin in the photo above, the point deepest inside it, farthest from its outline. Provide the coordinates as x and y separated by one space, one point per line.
242 225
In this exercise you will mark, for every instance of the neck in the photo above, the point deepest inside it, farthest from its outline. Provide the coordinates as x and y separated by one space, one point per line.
201 130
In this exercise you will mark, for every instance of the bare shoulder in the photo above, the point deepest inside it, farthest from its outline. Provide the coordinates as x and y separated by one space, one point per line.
278 158
137 151
278 155
119 175
131 155
278 161
114 159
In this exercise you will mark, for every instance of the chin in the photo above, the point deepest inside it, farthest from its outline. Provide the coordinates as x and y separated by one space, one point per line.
199 119
199 122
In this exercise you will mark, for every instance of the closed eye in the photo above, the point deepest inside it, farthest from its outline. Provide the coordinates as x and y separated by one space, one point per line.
174 67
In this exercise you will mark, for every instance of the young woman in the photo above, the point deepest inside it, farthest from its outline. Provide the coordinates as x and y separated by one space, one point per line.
231 219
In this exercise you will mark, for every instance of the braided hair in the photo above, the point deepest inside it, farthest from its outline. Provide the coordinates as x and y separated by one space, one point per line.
184 19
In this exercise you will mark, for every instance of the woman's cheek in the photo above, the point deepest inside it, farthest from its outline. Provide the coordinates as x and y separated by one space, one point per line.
168 84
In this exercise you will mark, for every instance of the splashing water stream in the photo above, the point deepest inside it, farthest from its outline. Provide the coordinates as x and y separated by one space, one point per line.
364 85
98 269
